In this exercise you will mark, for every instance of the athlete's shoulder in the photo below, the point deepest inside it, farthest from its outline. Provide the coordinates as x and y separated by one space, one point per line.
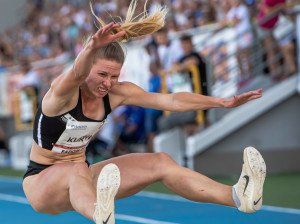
125 88
127 84
123 93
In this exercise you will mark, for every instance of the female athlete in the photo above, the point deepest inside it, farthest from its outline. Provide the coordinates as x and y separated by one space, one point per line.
59 179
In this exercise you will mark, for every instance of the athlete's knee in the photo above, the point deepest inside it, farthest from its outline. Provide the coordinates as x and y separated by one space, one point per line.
44 210
164 162
164 158
40 206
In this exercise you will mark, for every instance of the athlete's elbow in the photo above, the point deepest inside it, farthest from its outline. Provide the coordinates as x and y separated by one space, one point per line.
180 108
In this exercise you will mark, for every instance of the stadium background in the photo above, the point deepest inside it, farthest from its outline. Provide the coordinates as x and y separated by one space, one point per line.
270 124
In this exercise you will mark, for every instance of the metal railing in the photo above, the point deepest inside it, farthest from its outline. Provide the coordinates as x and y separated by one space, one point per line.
223 70
257 54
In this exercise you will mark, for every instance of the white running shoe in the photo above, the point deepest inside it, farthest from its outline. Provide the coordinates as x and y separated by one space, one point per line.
249 188
107 187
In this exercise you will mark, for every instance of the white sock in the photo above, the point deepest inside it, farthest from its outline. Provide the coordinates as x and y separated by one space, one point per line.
94 216
235 198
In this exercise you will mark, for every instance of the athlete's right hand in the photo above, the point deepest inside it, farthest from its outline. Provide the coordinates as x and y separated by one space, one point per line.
239 100
104 35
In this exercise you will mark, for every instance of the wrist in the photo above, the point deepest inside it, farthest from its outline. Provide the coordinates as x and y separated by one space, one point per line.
90 48
221 102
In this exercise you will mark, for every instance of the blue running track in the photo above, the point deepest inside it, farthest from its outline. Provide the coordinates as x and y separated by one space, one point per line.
145 207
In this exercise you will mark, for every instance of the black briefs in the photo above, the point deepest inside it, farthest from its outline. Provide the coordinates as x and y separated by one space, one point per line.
35 168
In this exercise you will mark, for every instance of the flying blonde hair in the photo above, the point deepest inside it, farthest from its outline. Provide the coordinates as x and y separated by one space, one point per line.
139 25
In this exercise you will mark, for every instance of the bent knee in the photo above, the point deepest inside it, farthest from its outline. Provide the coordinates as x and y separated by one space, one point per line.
164 162
50 206
40 209
45 210
164 157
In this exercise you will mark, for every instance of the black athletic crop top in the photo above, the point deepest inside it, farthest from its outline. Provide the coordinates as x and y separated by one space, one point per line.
69 132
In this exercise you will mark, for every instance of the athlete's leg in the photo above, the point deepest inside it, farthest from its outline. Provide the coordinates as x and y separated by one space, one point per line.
140 170
60 188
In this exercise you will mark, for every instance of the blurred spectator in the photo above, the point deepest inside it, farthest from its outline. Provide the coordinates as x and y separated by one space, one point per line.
131 128
252 8
267 8
190 57
4 154
154 5
221 68
195 14
50 24
265 31
171 26
29 92
6 52
287 47
209 13
31 77
180 13
239 17
168 51
151 115
104 142
2 140
221 7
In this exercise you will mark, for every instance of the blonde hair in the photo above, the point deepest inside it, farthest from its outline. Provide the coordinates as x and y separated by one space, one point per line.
139 25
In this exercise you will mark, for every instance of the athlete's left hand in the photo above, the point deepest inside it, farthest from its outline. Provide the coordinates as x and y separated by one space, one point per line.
239 100
104 35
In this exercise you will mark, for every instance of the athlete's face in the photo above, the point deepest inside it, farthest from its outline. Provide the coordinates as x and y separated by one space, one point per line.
103 76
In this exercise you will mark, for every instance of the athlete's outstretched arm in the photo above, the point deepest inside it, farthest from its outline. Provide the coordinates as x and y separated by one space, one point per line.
180 102
199 102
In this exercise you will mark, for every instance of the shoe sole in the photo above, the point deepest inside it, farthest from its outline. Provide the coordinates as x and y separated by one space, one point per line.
108 184
255 167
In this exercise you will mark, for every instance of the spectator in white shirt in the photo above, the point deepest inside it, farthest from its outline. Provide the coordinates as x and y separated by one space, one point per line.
239 17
